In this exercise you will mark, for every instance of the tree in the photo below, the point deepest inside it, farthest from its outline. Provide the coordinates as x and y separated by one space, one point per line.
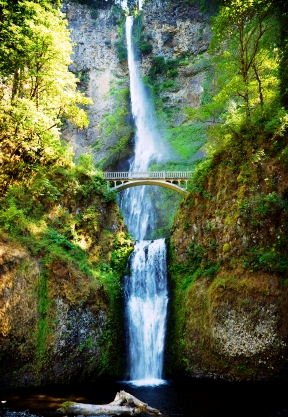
37 90
245 94
281 10
242 39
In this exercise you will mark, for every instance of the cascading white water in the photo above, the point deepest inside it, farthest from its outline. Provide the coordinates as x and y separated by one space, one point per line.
136 204
146 304
146 292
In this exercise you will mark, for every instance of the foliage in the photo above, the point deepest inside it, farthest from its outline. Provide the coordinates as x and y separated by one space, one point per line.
187 139
37 90
140 37
281 11
199 178
268 259
207 6
167 67
117 128
260 205
94 5
121 50
59 219
145 47
118 17
245 85
194 266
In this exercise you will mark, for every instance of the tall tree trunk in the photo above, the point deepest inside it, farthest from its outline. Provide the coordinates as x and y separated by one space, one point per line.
15 87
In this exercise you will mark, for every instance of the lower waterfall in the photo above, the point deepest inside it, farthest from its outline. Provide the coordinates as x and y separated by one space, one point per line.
146 299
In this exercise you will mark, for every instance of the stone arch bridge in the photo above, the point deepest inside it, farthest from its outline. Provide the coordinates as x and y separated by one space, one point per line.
176 181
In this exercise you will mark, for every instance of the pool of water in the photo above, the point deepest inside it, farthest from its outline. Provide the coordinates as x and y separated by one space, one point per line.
185 397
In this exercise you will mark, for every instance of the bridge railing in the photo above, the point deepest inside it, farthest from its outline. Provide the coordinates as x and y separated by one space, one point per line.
143 175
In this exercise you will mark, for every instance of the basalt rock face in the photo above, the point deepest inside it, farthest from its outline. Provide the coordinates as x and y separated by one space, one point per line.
96 63
229 305
71 322
175 29
55 319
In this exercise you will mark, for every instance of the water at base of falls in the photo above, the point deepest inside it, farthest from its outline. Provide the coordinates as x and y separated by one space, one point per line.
146 299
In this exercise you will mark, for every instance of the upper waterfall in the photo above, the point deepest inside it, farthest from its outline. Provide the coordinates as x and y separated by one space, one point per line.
148 147
124 4
148 144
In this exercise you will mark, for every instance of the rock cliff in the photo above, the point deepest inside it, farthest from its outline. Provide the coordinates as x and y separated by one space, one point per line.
175 31
178 30
96 63
229 274
59 322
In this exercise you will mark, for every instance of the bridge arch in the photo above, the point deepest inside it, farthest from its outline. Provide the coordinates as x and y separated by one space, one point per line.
127 184
176 181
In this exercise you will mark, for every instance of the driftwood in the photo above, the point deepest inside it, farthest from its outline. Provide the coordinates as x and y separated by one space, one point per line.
123 404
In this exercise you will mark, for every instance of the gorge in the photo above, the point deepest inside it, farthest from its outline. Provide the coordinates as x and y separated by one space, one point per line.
72 287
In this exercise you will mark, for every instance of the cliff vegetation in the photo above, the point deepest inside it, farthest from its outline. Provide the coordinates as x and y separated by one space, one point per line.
63 245
229 241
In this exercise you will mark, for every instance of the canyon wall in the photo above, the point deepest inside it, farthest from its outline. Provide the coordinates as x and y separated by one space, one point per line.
228 272
175 31
61 322
228 304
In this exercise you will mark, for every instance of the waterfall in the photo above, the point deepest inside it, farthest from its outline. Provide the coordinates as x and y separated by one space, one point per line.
145 287
136 204
146 305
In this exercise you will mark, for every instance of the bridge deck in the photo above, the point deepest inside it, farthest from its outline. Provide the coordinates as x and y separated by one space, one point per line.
177 175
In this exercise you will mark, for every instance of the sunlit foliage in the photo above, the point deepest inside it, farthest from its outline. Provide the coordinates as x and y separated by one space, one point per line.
245 85
37 91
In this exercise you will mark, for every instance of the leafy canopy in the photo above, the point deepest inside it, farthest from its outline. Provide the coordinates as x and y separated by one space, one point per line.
37 90
245 86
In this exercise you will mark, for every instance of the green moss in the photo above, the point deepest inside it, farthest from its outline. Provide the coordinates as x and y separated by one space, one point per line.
199 179
43 307
184 276
140 37
226 247
161 66
116 128
121 50
118 17
187 139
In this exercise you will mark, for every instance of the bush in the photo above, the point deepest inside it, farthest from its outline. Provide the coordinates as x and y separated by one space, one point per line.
145 47
121 50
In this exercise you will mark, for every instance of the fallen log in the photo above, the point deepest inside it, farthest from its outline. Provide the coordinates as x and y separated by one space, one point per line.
123 404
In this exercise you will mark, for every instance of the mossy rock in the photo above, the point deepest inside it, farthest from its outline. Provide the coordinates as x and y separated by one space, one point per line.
226 247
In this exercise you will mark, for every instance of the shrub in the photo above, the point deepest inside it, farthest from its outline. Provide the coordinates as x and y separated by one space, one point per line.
145 47
121 50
